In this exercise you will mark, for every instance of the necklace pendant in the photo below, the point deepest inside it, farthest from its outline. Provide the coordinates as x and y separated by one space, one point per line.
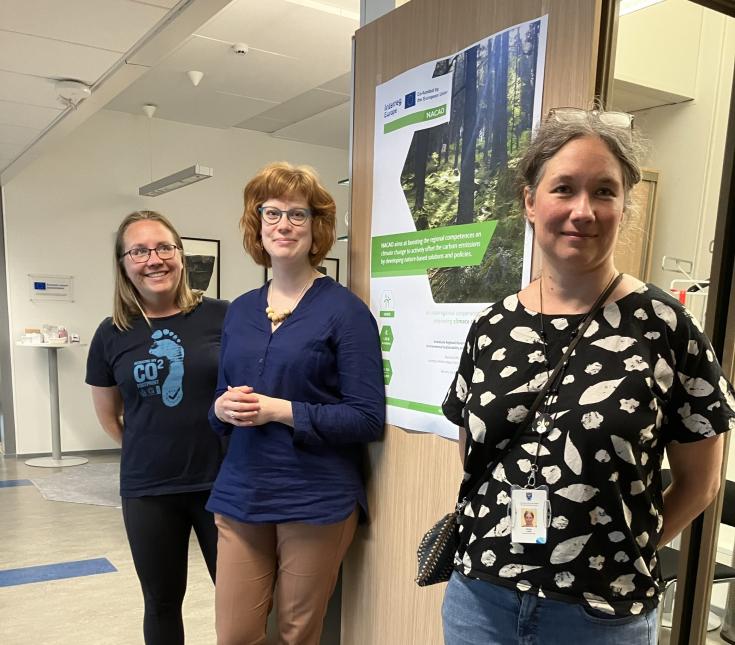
543 423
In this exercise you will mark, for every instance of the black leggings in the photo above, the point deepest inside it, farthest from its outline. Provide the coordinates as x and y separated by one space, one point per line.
158 529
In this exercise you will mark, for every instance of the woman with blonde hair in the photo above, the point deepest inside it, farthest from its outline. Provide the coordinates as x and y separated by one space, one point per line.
300 391
153 369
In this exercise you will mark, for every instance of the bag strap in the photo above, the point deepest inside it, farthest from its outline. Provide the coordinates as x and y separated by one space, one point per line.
586 321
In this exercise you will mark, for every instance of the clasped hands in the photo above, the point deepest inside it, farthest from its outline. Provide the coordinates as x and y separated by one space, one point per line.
241 406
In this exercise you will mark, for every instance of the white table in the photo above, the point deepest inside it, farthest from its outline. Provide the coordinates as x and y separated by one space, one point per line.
56 459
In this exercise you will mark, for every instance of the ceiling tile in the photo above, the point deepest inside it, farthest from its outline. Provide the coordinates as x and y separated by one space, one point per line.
11 150
168 4
28 116
50 58
286 28
305 105
18 135
178 100
107 24
28 89
329 128
341 84
257 74
261 124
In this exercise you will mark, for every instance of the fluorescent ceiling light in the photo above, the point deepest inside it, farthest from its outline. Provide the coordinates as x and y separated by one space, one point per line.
327 8
629 6
176 180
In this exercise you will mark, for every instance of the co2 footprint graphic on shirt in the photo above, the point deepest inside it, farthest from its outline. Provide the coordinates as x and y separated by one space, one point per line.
168 345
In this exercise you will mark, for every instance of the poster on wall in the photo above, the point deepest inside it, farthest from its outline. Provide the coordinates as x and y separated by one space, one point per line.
448 236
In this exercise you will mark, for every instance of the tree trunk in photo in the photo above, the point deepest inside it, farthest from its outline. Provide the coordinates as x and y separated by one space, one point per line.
516 102
528 74
457 106
466 202
421 148
490 103
499 157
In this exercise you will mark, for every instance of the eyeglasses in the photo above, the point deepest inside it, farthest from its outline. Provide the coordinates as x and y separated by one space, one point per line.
140 254
576 115
273 215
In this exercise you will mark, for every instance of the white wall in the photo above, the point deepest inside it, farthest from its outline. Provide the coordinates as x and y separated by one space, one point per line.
61 216
687 147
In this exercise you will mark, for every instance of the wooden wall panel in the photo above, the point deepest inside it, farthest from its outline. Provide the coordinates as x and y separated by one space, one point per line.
413 478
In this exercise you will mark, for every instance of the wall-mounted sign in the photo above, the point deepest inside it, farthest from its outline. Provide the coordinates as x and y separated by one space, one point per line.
51 287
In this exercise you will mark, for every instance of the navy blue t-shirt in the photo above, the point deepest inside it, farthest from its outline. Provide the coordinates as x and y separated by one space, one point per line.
167 374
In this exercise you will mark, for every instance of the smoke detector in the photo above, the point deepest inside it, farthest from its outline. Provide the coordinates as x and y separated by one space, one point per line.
241 49
71 92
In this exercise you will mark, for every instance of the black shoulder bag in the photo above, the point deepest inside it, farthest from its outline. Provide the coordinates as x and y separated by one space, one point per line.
436 550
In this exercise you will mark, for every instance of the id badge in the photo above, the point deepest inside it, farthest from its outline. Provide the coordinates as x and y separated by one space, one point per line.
529 514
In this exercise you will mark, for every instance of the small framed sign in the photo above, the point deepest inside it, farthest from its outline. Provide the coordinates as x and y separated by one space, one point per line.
46 287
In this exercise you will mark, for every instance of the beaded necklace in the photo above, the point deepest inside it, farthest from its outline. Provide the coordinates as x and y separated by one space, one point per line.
277 317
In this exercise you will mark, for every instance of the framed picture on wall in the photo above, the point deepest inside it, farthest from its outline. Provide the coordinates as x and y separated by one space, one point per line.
330 267
202 264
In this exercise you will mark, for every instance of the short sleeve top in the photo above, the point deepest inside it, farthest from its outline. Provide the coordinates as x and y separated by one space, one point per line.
166 374
643 375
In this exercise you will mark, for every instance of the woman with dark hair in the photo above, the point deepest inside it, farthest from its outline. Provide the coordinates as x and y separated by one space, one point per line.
300 391
153 370
642 381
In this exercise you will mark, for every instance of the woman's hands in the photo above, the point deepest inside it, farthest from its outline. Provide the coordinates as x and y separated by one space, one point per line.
241 406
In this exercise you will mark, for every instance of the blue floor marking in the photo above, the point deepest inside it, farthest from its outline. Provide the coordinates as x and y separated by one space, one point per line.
9 483
58 571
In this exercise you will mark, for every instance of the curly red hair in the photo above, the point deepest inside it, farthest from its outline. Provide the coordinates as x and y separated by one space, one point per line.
284 180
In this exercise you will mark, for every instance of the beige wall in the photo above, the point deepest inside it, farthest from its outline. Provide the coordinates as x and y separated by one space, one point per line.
61 214
663 58
687 147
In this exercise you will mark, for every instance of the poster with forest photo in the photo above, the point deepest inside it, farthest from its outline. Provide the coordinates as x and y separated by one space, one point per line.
448 233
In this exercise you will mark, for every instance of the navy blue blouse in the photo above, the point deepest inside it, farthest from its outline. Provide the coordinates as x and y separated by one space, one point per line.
326 359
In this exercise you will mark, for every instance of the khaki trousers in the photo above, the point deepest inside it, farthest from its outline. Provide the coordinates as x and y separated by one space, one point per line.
296 563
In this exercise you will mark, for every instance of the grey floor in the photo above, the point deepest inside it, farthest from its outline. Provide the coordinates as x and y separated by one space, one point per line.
104 609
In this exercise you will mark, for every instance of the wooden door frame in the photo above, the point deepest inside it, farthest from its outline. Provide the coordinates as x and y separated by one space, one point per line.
693 593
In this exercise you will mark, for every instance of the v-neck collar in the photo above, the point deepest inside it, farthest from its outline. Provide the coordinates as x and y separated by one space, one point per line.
305 302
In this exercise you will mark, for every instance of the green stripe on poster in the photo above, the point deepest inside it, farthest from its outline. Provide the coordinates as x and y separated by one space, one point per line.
415 117
412 405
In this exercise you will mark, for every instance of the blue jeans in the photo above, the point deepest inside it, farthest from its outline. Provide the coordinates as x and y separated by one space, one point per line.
476 612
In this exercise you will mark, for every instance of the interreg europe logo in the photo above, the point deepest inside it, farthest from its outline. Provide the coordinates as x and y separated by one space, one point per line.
390 109
410 100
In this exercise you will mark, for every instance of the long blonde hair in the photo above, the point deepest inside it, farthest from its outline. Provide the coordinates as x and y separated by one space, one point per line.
126 302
